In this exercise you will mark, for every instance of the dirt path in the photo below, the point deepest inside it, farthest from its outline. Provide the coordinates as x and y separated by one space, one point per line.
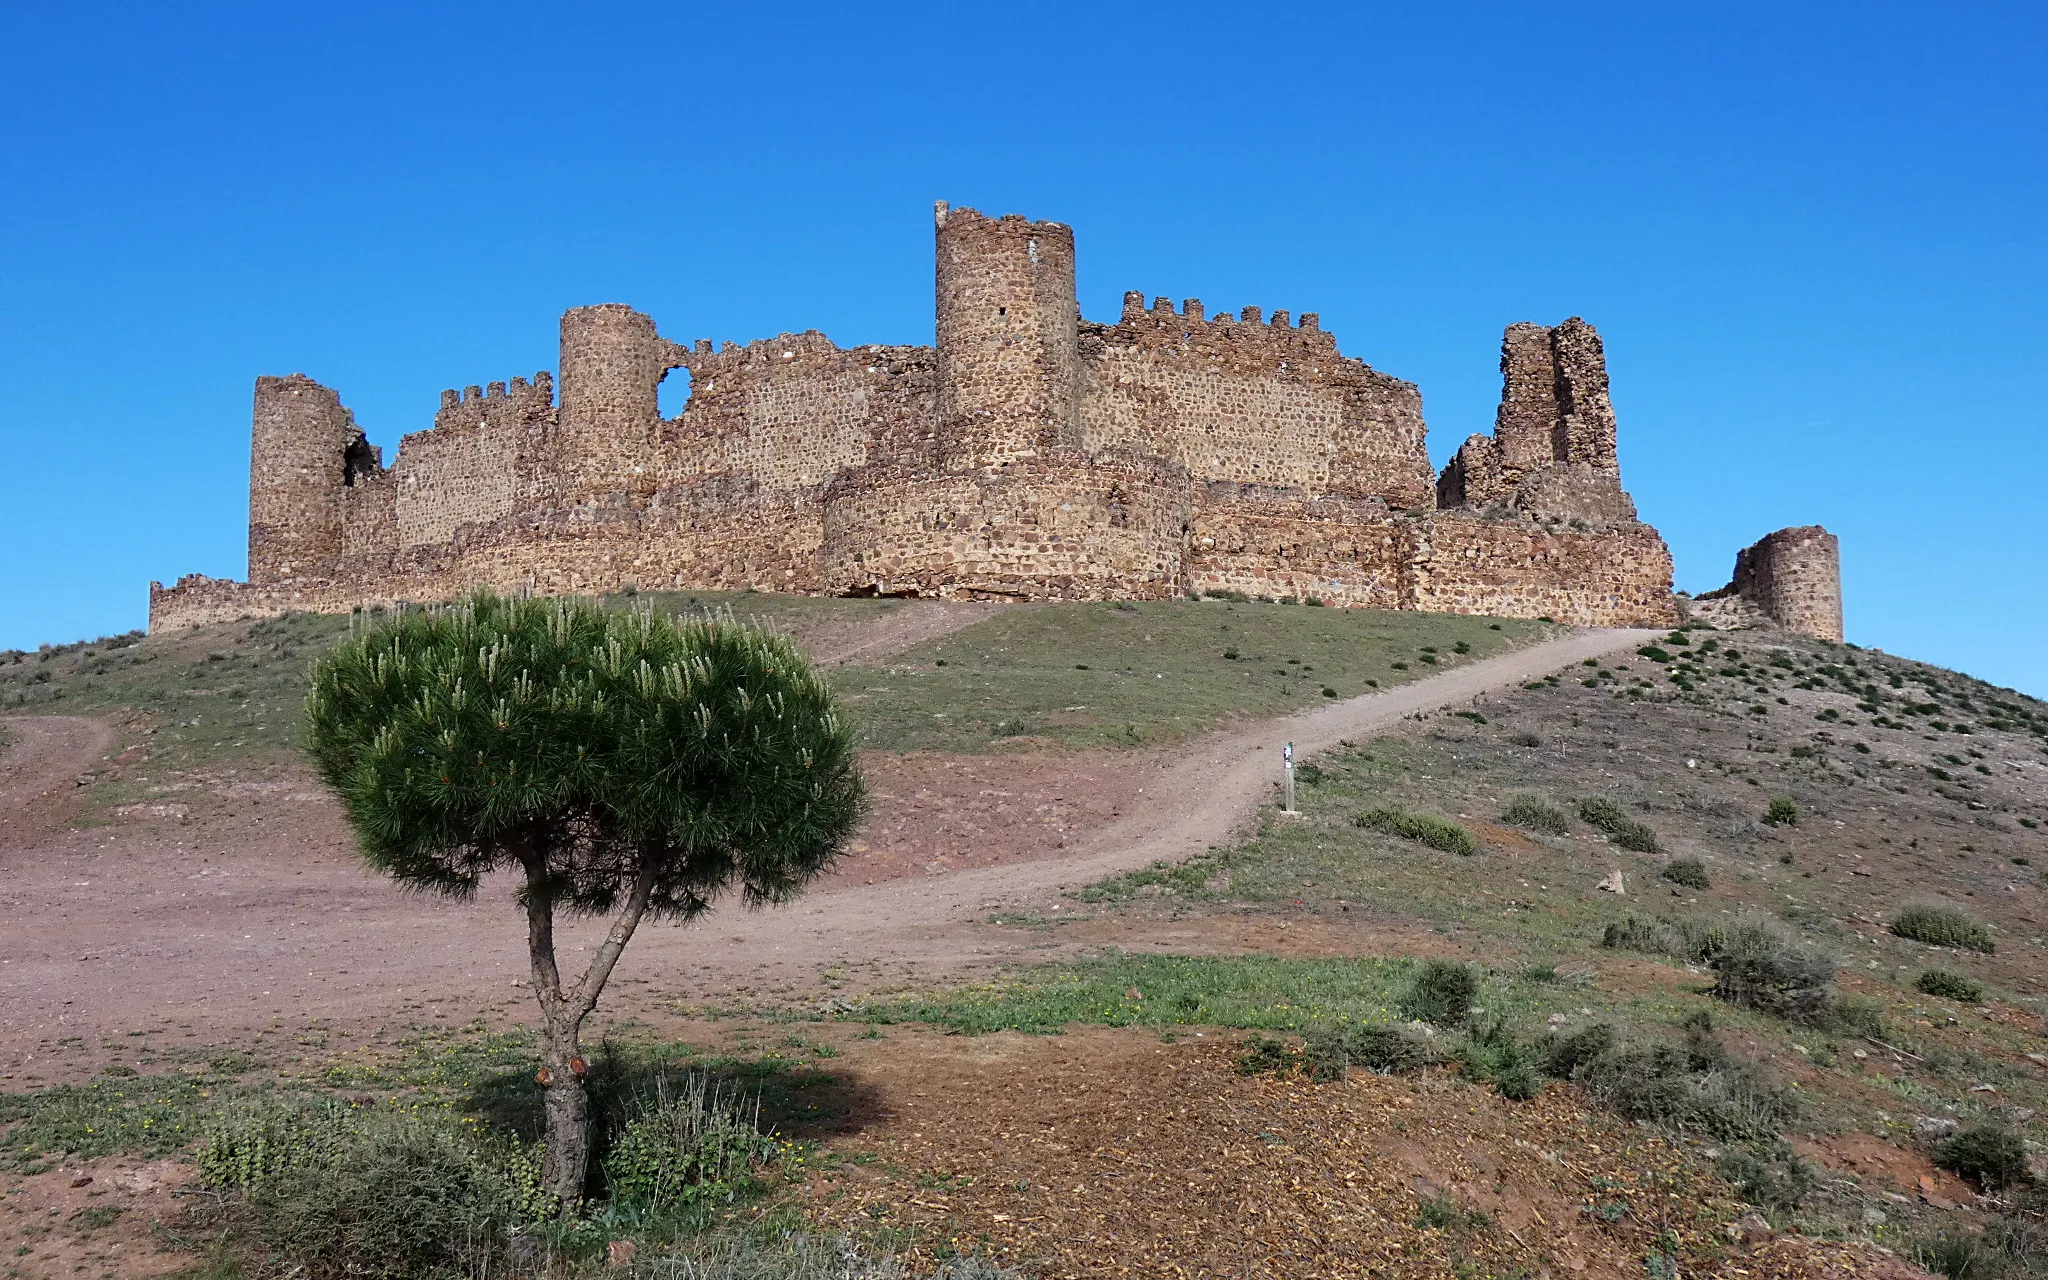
894 632
263 917
44 756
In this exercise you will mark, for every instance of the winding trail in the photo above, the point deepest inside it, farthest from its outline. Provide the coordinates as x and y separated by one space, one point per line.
264 917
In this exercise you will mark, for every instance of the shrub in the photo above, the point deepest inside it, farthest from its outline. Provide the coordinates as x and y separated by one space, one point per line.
1695 1086
1989 1154
1331 1050
686 1144
1950 986
1942 926
1564 1055
1690 872
397 1195
1684 937
1859 1015
1308 774
1419 827
1442 993
1774 1178
1261 1054
1614 820
1494 1056
1529 811
1783 812
1760 965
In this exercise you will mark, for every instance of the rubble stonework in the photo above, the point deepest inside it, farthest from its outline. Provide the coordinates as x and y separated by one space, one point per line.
1791 580
1028 455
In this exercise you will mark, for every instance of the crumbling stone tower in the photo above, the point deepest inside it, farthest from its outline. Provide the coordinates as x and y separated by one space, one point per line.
1791 579
1554 412
305 454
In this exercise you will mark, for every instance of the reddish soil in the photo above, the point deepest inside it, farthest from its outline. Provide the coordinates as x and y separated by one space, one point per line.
1107 1153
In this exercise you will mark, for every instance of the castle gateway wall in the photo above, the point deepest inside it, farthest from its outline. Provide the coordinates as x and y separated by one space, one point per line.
1028 455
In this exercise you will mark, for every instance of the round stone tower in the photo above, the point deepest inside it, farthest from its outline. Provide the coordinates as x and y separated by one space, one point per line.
612 366
1008 322
305 453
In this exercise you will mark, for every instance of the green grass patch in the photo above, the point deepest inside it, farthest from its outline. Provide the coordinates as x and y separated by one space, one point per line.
1942 926
1261 993
1423 828
1623 829
1135 674
1531 812
1950 985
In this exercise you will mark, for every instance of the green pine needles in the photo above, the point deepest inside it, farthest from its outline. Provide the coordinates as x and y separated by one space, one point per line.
627 764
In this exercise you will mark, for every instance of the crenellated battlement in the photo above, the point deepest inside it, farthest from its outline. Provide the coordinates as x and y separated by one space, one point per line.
519 399
1027 454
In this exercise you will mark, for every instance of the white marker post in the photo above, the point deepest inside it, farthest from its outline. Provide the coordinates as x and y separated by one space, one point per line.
1287 762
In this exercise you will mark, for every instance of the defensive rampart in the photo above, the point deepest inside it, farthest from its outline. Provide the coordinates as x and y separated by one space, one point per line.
1028 455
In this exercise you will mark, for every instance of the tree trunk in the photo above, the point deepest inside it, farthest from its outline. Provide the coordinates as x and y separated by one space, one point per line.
566 1102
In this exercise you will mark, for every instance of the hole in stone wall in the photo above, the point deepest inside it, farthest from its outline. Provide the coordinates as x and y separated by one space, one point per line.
674 393
358 459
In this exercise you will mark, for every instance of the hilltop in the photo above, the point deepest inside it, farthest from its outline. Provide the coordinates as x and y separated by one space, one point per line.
1728 778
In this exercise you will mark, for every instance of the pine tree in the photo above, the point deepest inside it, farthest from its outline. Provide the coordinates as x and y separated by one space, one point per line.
628 765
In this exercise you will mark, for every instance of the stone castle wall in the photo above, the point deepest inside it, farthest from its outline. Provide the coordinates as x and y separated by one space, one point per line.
1029 454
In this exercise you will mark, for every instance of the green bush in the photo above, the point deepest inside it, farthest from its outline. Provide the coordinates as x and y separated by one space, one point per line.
1942 926
396 1195
1989 1154
1774 1177
1419 827
1614 820
1529 811
1260 1055
1684 937
1783 812
1690 872
1693 1086
1442 993
1950 986
1330 1051
1492 1055
1564 1055
1760 965
686 1143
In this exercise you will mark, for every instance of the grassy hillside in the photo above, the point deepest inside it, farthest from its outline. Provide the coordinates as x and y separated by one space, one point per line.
227 697
1144 674
1876 818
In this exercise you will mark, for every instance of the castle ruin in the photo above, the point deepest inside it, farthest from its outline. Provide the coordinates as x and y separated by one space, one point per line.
1029 454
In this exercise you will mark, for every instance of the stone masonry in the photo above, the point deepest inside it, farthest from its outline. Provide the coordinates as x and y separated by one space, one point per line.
1028 455
1790 580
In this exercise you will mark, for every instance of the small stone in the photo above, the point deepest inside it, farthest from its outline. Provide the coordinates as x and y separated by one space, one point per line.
1750 1229
83 1181
1930 1127
1613 884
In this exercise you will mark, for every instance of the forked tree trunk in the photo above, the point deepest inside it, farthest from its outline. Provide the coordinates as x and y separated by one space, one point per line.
566 1102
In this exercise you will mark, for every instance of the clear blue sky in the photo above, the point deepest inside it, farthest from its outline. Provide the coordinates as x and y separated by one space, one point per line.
1812 236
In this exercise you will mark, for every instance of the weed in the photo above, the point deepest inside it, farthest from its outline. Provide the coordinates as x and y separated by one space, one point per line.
1378 1047
1437 833
1442 993
1534 814
1690 872
1443 1213
1939 925
1615 821
1989 1154
1770 1174
1950 986
1783 812
1760 965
